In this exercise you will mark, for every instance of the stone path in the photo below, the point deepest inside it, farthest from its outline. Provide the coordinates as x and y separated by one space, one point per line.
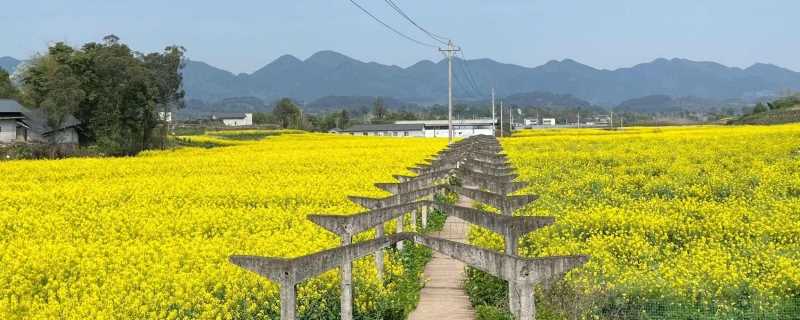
443 297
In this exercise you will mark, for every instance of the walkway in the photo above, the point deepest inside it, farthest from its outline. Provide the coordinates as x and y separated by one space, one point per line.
443 297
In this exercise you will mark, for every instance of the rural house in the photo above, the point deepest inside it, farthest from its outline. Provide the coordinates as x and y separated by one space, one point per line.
20 125
389 130
234 119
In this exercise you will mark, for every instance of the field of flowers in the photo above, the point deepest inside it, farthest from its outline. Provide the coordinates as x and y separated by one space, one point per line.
697 221
148 237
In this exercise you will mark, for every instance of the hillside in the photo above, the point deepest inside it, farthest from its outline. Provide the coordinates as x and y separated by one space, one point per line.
781 116
328 73
9 64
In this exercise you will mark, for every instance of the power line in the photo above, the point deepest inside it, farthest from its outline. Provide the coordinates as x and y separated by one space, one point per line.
469 72
390 27
438 38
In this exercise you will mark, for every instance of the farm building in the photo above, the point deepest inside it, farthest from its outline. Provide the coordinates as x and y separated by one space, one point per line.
389 130
424 128
461 128
20 124
235 119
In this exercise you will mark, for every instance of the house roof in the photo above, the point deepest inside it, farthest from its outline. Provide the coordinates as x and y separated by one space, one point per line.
223 116
10 106
35 119
385 127
455 122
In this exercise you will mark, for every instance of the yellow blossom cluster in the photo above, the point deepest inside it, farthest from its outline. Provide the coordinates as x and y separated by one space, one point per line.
704 214
148 237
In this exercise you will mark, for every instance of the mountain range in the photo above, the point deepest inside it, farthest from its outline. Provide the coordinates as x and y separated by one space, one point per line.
331 74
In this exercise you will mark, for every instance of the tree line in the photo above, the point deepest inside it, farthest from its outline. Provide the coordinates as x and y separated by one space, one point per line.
116 93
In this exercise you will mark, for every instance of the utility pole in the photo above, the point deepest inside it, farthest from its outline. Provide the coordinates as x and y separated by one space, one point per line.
449 51
511 120
579 119
501 118
494 124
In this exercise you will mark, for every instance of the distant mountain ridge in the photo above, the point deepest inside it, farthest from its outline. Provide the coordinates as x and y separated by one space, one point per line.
328 74
9 64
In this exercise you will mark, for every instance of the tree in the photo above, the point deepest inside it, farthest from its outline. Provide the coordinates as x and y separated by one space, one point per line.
7 88
263 118
168 78
759 108
51 85
113 90
379 109
344 119
286 113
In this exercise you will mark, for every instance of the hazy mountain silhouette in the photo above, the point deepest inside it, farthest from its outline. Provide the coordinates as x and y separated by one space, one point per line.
328 73
9 64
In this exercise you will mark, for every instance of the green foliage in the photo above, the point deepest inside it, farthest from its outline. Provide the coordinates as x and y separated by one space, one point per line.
759 108
408 285
114 91
286 113
263 118
486 290
484 312
7 88
379 109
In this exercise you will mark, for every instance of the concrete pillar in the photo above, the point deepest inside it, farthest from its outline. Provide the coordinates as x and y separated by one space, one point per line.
526 303
379 233
513 291
288 301
347 282
399 229
424 217
413 226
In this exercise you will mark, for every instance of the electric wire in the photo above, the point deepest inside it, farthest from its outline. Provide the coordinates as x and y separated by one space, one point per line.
390 27
438 38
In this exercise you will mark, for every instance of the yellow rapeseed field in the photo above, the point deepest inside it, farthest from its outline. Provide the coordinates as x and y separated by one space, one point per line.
148 237
704 216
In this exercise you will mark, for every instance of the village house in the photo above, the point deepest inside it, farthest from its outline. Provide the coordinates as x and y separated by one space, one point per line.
234 119
22 125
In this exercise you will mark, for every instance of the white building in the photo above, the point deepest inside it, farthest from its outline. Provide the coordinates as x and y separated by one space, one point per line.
235 119
19 124
165 116
531 122
548 121
461 128
386 130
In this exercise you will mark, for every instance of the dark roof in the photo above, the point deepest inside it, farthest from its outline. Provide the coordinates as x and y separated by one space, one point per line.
385 127
35 119
10 106
221 116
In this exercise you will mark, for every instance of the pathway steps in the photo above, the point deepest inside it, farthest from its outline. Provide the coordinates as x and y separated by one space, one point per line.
443 297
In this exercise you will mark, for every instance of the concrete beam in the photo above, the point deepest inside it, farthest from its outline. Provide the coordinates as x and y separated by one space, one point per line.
415 183
507 204
483 176
360 222
487 170
527 271
296 270
517 226
488 182
394 200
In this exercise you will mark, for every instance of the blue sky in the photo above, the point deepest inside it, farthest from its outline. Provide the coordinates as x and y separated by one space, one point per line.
244 35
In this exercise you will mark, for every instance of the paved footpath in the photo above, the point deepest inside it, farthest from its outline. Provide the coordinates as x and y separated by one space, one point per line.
443 297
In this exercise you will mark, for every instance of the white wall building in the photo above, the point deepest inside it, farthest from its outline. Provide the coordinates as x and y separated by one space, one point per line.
461 128
548 121
235 119
386 130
